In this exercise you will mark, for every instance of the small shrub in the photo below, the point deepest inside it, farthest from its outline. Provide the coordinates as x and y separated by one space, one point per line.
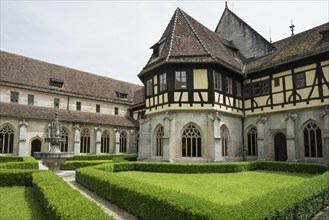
63 202
26 162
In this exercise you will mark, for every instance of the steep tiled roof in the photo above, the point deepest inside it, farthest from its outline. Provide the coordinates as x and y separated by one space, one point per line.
249 42
34 112
34 74
139 96
307 43
185 40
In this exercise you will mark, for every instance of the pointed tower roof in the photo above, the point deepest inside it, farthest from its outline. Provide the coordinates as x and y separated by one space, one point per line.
185 40
250 43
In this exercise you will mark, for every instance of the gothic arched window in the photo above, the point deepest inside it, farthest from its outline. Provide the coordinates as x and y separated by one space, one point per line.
312 140
252 142
123 142
85 141
159 141
225 140
6 139
105 142
64 146
191 142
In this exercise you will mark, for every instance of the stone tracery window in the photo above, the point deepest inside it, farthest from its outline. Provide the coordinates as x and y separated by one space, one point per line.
64 134
105 142
123 142
312 140
225 141
159 142
85 141
6 139
191 142
252 142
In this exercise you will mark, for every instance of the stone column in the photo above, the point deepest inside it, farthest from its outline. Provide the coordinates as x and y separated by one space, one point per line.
168 154
98 137
145 148
76 145
325 118
291 142
217 136
22 150
260 123
117 141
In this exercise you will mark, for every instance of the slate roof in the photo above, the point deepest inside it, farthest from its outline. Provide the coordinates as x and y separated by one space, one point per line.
29 73
299 46
35 112
185 40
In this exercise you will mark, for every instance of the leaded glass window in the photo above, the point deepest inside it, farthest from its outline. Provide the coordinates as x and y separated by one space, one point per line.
105 142
64 134
14 97
6 139
159 141
225 141
123 142
85 141
163 82
217 81
191 142
180 80
252 142
313 140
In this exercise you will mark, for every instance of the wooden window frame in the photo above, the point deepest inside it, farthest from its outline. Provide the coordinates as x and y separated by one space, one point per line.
163 83
180 80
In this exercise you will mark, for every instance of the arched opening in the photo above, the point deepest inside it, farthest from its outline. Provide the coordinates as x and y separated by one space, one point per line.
280 147
105 142
6 139
63 146
123 142
225 140
35 146
312 140
191 142
85 141
252 141
159 141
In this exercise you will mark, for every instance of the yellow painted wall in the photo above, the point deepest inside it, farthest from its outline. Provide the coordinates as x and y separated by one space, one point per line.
196 97
304 93
324 63
288 80
200 79
261 101
309 75
204 96
278 98
278 88
285 73
325 70
165 99
304 68
184 97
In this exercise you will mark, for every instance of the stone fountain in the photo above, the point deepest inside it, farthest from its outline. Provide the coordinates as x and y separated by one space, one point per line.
54 158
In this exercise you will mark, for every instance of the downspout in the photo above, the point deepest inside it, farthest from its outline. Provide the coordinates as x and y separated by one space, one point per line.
244 114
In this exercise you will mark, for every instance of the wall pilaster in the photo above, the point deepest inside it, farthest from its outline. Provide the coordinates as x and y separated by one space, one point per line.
291 142
76 146
22 148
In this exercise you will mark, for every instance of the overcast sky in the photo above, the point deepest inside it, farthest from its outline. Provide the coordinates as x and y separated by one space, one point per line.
113 37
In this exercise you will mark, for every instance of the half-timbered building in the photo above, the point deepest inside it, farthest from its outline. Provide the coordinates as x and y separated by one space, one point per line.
229 94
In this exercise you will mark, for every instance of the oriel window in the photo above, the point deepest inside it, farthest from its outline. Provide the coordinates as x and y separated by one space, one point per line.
149 87
163 82
180 80
229 89
217 81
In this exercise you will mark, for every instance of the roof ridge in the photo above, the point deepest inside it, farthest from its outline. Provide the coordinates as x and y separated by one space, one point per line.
172 35
197 36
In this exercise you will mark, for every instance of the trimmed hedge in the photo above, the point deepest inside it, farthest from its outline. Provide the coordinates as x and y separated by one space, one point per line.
74 164
11 177
296 202
312 168
63 202
12 162
113 157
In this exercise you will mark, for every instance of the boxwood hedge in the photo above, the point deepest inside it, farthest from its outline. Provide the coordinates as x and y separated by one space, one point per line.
63 202
12 162
113 157
12 177
295 202
74 164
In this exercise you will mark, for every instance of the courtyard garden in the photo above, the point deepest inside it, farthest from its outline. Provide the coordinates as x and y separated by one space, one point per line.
241 190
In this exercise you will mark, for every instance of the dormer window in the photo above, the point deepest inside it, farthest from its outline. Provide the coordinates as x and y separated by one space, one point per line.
157 48
233 51
56 82
121 95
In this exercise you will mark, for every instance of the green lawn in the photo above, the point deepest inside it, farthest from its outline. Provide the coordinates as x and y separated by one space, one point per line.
224 188
19 203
